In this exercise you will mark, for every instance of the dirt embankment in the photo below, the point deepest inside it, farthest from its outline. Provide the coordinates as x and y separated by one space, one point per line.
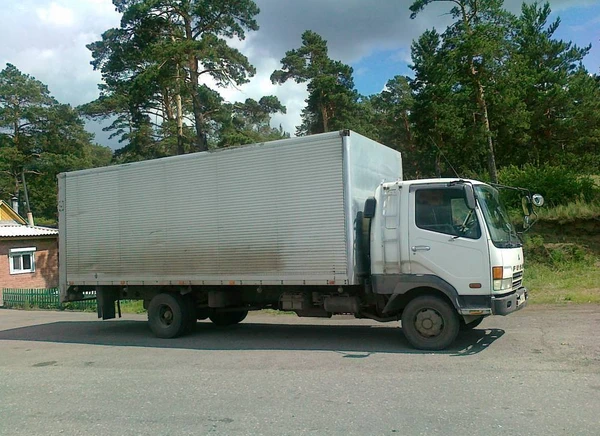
585 233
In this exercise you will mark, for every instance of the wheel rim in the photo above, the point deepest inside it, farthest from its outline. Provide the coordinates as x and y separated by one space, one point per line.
429 323
165 315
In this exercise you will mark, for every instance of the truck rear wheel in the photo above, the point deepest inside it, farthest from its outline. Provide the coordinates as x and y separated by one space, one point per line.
167 315
228 318
430 323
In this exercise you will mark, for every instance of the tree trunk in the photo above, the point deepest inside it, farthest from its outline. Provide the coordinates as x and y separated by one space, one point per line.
180 145
201 144
481 101
491 158
17 184
438 165
407 127
179 115
167 110
324 119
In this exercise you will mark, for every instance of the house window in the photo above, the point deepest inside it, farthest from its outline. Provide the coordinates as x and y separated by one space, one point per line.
22 260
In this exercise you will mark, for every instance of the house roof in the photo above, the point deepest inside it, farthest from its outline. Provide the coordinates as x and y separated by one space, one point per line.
16 231
14 226
9 216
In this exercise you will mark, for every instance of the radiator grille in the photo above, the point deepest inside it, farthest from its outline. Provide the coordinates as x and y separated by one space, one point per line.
517 280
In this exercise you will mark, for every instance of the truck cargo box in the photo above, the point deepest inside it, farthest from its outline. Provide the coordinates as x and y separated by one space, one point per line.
277 213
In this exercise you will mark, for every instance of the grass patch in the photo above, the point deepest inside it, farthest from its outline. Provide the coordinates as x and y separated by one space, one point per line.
575 283
572 212
561 272
77 306
276 312
132 306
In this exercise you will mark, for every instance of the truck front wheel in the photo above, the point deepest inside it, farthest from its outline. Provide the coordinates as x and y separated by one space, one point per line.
466 327
167 315
222 319
430 323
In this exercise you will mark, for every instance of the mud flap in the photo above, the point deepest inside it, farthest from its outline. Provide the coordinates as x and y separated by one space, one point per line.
106 299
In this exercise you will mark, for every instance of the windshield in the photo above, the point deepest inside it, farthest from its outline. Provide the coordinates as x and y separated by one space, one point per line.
502 232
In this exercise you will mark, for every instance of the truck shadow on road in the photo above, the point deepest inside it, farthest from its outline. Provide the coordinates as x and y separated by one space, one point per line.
350 341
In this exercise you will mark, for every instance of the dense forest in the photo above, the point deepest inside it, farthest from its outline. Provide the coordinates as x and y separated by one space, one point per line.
494 96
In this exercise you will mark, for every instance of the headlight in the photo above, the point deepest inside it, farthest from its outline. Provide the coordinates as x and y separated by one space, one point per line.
503 285
502 278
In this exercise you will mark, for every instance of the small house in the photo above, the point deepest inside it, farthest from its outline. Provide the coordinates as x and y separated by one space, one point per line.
28 254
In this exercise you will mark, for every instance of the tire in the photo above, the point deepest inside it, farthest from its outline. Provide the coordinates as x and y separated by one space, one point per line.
473 324
223 319
167 315
430 323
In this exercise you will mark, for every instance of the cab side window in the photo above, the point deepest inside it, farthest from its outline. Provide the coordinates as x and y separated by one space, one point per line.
444 210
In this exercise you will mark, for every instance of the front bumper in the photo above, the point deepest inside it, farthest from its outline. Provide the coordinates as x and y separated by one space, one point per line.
508 304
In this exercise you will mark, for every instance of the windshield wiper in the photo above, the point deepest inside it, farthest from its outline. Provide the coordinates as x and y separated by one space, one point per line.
508 244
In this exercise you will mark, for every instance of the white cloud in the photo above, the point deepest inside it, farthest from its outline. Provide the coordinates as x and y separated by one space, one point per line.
291 95
56 14
51 46
402 55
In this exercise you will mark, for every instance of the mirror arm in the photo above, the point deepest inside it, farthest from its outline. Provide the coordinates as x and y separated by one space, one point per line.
532 222
525 191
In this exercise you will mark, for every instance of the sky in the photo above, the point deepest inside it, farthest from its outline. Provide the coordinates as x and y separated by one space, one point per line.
47 39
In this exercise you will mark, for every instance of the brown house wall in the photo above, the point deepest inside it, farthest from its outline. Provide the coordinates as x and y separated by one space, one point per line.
46 264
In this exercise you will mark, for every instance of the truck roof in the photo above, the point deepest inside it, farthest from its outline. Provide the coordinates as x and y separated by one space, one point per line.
430 181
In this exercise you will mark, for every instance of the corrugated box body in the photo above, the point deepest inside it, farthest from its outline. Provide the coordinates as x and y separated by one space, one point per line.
276 213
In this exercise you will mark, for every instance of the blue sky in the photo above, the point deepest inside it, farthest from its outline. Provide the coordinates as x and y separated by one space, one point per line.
47 39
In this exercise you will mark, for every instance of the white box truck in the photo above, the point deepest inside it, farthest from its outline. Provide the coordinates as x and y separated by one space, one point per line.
318 225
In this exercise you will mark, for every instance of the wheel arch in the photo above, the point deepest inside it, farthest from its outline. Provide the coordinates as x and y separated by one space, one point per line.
398 301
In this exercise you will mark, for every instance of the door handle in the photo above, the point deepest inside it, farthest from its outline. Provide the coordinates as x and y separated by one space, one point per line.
416 248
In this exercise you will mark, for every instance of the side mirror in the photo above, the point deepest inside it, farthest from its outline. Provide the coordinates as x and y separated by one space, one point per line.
528 202
469 196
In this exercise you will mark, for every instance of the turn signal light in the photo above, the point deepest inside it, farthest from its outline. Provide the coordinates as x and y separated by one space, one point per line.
497 272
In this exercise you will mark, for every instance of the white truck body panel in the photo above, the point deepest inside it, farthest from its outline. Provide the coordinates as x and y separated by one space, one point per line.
275 213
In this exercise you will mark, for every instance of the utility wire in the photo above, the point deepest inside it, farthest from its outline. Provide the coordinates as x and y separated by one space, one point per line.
444 156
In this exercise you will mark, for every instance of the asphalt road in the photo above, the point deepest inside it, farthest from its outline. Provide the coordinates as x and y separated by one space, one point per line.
534 372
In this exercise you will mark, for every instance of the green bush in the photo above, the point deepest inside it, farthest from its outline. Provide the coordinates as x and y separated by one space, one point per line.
558 185
534 249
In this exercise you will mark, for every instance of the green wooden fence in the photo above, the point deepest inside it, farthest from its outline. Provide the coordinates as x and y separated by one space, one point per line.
43 299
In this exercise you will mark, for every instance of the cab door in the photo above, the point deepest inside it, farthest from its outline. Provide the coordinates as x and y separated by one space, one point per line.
447 239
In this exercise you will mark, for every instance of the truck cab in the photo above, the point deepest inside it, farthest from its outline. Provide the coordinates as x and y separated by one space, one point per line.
448 241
